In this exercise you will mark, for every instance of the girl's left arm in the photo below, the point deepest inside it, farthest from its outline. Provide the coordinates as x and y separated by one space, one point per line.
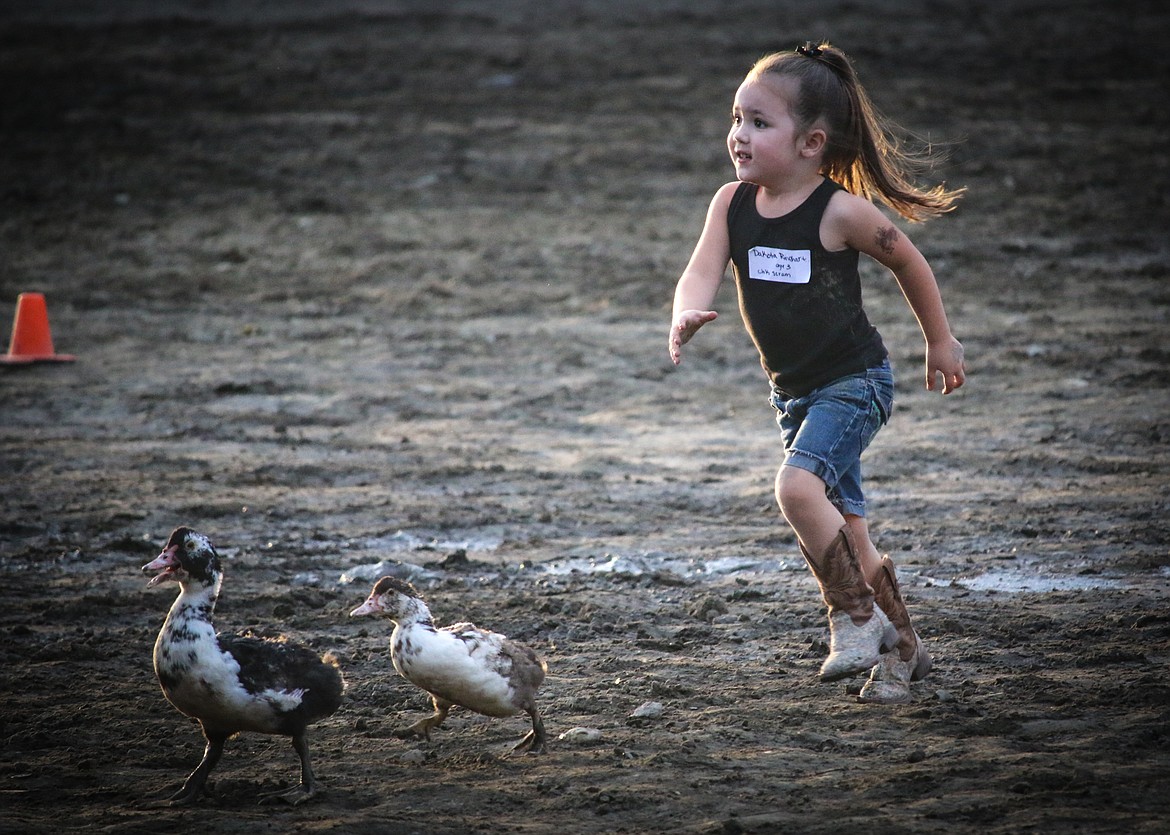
867 230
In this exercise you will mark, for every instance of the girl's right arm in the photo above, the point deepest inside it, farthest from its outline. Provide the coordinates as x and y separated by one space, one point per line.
699 283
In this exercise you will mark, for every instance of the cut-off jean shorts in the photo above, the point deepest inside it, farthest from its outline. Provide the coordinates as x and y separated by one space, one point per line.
826 431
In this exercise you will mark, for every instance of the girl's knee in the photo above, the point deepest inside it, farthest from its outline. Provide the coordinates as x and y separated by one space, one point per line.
797 488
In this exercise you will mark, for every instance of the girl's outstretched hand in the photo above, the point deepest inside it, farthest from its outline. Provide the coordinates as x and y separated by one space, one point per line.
945 359
685 325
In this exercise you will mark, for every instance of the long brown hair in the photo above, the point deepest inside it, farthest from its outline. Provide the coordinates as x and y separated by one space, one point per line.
864 151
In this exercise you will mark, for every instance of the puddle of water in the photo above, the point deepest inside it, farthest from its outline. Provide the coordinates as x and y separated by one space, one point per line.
401 542
637 565
371 572
1018 582
451 541
626 565
1025 578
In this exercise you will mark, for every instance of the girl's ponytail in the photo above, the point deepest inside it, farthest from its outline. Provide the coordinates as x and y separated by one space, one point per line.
864 152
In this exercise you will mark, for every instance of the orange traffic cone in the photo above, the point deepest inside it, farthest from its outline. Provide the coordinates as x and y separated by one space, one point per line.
31 339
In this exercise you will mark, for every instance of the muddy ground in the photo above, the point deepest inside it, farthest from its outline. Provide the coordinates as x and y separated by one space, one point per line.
369 281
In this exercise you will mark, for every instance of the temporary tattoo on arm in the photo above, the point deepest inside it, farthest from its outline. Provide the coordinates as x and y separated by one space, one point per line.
885 238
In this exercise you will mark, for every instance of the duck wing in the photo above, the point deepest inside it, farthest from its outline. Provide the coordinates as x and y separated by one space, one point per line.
497 677
300 686
481 644
528 668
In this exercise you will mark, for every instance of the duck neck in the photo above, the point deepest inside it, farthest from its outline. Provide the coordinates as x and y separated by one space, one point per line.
196 601
416 614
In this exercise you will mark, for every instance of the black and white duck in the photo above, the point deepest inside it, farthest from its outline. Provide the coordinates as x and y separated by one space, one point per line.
459 664
234 683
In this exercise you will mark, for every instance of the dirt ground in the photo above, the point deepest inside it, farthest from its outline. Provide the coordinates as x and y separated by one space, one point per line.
390 281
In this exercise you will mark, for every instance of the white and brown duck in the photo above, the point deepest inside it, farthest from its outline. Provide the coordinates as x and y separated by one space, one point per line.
234 683
459 664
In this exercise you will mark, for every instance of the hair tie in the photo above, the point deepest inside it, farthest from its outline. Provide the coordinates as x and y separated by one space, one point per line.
810 50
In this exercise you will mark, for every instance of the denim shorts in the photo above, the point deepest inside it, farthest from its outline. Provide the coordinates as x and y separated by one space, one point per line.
826 431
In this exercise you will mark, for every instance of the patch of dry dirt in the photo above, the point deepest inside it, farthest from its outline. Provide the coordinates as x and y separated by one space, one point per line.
389 282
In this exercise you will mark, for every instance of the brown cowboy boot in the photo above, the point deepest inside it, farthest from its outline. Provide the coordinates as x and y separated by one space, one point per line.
859 631
889 683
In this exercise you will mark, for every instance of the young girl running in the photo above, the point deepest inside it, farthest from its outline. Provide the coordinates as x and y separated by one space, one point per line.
810 152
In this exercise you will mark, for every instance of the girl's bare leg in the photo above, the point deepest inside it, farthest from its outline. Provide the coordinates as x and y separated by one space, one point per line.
859 630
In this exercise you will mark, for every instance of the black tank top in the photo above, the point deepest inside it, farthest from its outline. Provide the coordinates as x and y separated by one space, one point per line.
801 303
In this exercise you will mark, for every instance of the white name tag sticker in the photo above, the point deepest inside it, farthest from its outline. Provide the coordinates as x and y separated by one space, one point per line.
786 266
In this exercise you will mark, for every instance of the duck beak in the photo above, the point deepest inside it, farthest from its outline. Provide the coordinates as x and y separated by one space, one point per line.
167 564
370 607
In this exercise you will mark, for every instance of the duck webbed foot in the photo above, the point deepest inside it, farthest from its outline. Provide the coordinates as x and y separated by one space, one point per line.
295 796
423 727
195 787
303 791
419 730
415 731
190 794
533 741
